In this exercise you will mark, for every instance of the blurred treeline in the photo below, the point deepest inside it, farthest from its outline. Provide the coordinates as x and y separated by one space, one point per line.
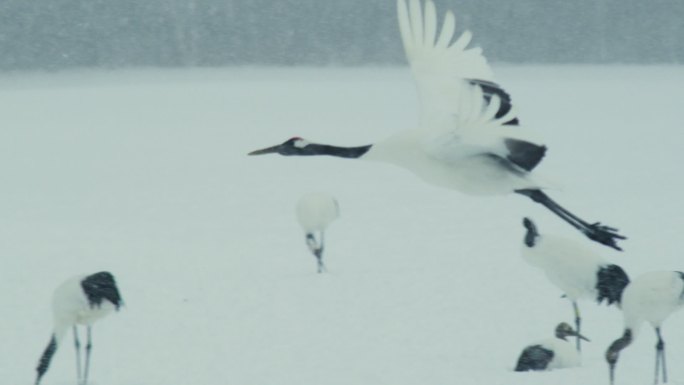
57 34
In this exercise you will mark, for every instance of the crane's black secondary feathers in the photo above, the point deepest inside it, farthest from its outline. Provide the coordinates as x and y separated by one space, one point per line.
610 283
534 357
523 154
491 88
100 286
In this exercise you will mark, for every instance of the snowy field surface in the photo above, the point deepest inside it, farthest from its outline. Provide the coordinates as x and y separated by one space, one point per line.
145 174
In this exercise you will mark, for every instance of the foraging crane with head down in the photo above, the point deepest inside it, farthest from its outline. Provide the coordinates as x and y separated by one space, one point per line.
315 211
81 300
469 138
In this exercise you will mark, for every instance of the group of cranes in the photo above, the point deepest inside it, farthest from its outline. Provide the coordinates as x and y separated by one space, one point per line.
469 139
580 273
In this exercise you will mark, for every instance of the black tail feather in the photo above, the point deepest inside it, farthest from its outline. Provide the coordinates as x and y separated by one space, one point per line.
45 359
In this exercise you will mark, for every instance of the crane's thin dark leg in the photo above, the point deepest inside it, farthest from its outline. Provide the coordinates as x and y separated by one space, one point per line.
602 234
88 348
319 255
316 248
578 321
77 345
660 357
319 258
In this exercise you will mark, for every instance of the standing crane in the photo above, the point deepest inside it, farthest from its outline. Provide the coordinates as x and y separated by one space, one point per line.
651 297
470 138
81 300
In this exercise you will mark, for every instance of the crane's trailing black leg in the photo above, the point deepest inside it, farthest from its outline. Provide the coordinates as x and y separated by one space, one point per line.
77 346
88 348
602 234
578 321
319 254
660 358
45 359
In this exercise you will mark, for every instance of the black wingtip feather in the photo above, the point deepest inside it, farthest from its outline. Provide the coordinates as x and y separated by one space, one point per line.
491 88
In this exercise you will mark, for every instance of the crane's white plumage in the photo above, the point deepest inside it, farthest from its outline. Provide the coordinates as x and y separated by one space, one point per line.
568 265
651 297
458 123
70 306
551 353
564 354
315 211
439 63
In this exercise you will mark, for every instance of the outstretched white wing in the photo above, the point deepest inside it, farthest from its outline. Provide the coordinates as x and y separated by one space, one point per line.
463 111
455 83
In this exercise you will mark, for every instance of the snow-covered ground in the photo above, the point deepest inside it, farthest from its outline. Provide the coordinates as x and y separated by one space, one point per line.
145 174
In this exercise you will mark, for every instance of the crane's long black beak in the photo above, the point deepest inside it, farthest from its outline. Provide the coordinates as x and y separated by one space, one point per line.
575 334
267 150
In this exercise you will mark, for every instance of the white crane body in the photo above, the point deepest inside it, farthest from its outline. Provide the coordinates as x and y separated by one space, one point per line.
81 300
316 211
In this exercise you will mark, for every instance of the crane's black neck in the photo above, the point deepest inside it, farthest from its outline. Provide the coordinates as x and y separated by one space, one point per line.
326 149
613 351
532 234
